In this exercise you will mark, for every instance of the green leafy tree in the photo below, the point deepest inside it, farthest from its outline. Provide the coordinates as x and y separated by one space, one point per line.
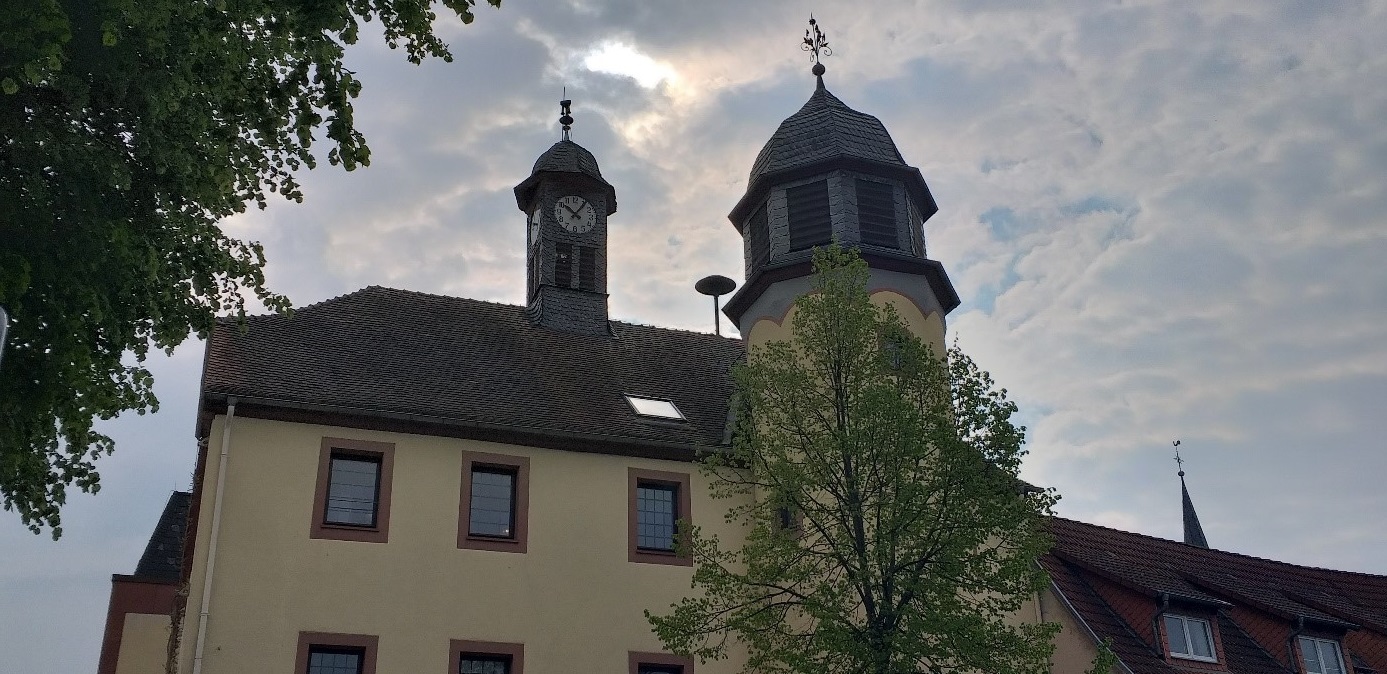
128 129
886 529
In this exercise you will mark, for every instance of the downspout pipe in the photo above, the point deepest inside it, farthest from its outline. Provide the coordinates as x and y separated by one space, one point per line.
1156 624
1290 642
212 538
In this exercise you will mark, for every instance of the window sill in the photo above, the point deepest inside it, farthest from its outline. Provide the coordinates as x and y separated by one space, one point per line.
1194 658
659 557
491 543
347 532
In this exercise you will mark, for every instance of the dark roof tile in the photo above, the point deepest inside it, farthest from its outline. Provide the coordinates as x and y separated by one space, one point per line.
163 554
380 351
825 128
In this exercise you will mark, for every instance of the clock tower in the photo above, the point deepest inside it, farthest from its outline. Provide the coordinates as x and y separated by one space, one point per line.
566 203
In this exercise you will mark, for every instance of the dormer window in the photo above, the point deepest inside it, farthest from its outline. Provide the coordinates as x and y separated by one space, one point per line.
1321 656
1190 638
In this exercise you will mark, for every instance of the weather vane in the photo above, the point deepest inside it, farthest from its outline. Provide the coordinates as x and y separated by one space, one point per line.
567 115
1178 461
816 43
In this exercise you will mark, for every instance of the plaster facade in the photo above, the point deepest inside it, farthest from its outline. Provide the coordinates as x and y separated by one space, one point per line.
572 599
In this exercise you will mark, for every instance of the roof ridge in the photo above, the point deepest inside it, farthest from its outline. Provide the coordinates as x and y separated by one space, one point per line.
1199 550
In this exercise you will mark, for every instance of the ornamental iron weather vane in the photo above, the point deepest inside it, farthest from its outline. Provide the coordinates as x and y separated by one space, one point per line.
816 43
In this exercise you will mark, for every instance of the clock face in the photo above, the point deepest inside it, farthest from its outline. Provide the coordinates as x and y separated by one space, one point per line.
575 214
534 227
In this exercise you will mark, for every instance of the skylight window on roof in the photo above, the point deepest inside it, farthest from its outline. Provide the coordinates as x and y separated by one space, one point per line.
654 407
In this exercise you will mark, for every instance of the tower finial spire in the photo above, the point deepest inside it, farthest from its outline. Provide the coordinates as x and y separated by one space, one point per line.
1194 532
566 114
816 43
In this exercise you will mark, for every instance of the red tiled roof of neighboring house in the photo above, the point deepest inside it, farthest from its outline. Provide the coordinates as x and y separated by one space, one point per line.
1085 555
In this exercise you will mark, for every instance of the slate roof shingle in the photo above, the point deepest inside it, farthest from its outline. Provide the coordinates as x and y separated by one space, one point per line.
163 555
380 351
825 128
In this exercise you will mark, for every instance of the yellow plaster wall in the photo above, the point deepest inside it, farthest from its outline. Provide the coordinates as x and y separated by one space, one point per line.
574 600
928 327
1074 646
143 644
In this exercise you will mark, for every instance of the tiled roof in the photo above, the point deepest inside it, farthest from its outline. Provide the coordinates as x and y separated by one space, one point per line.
164 552
1154 566
396 353
568 157
825 128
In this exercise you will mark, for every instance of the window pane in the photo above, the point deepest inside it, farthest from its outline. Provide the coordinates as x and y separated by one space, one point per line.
333 661
1175 632
1330 657
655 516
1201 641
493 503
471 664
1312 656
351 494
661 669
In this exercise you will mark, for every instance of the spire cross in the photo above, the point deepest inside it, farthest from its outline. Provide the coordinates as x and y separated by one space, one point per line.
1178 461
566 116
816 43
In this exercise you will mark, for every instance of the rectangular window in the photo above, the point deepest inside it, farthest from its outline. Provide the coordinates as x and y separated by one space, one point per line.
493 511
493 502
483 664
485 657
810 224
1321 656
323 653
656 513
876 214
658 663
353 490
352 499
657 503
1190 638
325 660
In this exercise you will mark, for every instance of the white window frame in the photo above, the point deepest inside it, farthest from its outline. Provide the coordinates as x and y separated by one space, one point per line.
1189 643
1319 644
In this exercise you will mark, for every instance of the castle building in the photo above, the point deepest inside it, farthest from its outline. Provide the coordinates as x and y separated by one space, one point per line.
392 481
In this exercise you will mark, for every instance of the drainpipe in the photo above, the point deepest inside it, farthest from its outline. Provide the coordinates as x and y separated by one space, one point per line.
212 538
1290 643
1156 624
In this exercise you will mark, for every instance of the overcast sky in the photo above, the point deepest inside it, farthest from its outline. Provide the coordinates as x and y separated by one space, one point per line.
1165 220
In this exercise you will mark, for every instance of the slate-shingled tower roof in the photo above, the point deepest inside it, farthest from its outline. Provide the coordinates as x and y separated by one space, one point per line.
564 156
826 131
825 128
402 360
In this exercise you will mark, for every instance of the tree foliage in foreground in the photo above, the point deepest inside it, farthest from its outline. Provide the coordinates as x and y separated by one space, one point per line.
887 531
128 129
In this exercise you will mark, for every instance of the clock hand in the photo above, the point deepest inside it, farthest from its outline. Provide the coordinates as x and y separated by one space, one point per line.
575 213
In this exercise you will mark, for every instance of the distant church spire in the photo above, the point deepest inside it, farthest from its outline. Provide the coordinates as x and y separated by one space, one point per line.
1194 533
